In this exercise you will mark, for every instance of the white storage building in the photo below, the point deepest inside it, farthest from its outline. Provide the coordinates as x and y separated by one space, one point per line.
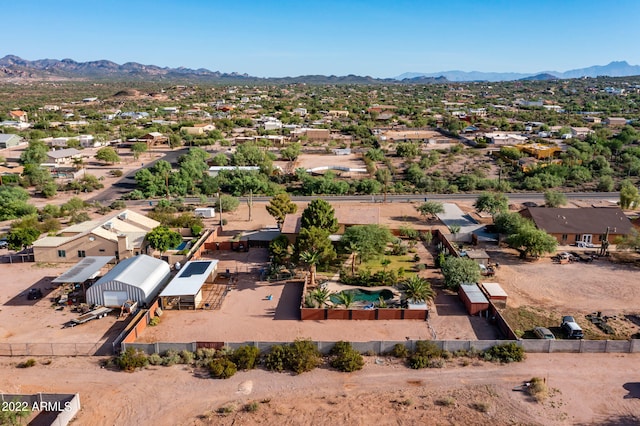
138 279
185 290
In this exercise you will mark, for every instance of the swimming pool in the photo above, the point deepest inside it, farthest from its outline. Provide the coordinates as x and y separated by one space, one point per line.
182 245
364 295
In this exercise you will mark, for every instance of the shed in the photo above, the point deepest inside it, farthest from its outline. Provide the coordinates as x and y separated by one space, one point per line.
479 256
495 293
473 298
138 279
185 290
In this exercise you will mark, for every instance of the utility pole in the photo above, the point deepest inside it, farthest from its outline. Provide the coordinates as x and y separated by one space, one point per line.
250 203
220 207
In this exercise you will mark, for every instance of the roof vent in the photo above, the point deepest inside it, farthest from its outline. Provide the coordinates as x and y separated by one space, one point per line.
122 216
107 225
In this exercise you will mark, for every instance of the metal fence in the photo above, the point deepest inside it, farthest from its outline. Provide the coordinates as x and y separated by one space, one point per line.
49 349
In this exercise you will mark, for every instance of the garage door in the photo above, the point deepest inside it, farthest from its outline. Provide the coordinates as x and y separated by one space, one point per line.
114 298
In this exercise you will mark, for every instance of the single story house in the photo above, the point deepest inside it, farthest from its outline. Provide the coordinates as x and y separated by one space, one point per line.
137 279
154 138
9 140
121 234
63 156
588 225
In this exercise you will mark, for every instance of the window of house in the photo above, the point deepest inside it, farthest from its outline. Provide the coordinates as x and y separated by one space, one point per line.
62 253
101 250
564 237
82 253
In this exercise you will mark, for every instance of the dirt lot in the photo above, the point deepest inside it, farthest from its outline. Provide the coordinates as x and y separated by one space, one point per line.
309 161
384 392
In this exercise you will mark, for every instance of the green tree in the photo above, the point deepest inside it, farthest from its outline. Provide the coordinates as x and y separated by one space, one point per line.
316 239
431 208
227 203
138 148
280 250
291 152
407 150
319 214
22 237
108 155
36 153
629 197
554 199
605 184
220 160
385 261
509 223
162 238
13 203
279 206
417 290
629 242
530 241
459 270
492 203
367 240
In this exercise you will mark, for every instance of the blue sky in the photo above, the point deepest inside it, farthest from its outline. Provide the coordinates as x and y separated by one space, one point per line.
291 38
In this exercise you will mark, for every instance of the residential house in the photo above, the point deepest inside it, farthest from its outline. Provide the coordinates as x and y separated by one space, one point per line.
586 225
338 113
346 216
20 125
615 121
19 115
154 138
312 135
505 138
63 156
207 127
195 131
121 234
9 140
300 111
581 132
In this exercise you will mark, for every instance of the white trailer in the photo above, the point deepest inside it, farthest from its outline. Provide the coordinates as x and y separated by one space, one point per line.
205 212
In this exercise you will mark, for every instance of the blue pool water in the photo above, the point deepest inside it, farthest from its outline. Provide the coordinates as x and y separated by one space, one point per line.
365 295
182 245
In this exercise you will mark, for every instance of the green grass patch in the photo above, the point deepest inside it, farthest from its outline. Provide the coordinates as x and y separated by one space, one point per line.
525 318
405 261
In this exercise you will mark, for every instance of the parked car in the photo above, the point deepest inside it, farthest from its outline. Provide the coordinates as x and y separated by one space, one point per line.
34 294
571 328
544 333
3 244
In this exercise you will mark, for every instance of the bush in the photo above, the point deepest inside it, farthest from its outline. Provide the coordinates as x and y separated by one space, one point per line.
426 352
409 233
245 357
155 359
509 352
400 351
26 364
171 357
116 173
154 321
482 407
345 358
186 357
118 205
538 389
131 359
302 356
222 368
252 407
276 359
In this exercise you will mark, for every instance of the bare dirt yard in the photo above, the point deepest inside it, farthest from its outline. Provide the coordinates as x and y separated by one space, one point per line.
384 392
310 161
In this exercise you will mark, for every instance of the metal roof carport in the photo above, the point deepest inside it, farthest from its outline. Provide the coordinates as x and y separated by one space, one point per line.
185 290
84 270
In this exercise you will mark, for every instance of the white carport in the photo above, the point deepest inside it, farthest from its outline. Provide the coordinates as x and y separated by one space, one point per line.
138 279
88 268
185 290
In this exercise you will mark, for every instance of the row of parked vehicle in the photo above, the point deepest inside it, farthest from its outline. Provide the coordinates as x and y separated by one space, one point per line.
569 327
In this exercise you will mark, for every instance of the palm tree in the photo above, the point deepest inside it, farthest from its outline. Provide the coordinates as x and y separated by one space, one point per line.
311 258
418 290
385 262
346 298
353 249
320 296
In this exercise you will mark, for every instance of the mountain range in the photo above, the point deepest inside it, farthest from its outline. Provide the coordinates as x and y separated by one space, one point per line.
613 69
13 67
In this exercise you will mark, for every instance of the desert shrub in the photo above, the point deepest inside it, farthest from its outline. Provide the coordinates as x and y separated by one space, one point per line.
538 389
226 409
482 407
116 173
103 210
118 205
171 357
424 353
131 359
436 363
275 359
446 402
508 352
408 232
426 237
251 407
155 359
27 364
399 351
154 321
204 353
416 258
246 357
302 356
186 357
222 368
345 358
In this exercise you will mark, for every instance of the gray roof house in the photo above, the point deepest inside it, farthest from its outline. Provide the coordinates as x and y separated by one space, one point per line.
9 140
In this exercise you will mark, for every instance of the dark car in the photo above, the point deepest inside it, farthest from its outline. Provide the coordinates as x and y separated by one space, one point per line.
34 294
